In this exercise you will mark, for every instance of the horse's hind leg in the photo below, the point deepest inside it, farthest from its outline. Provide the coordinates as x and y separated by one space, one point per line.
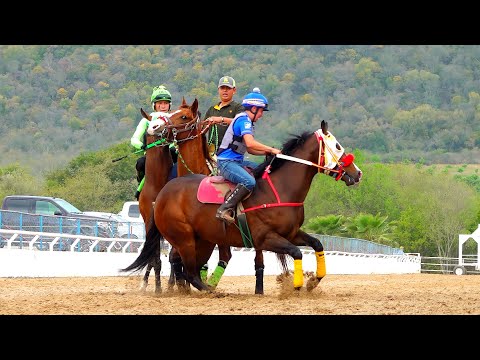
172 259
191 272
178 270
192 276
259 267
171 279
144 283
158 282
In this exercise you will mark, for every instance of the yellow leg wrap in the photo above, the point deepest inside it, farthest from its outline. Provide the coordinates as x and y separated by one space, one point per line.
321 268
297 273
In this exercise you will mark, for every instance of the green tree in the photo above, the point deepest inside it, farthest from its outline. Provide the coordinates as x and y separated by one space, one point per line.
15 180
370 227
326 225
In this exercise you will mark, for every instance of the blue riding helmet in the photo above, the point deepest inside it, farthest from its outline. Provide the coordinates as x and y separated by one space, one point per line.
255 98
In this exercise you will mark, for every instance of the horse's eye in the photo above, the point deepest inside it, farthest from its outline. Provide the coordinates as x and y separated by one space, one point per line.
184 117
338 146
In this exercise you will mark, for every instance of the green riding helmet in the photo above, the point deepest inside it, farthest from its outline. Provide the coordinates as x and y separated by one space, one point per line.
160 93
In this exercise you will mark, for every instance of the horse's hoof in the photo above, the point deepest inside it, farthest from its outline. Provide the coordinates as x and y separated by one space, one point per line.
312 283
184 289
297 288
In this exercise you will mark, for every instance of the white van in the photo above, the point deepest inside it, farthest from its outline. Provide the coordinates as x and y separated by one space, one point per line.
131 214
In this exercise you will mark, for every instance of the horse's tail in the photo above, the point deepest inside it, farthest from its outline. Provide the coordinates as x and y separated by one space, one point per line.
150 248
282 259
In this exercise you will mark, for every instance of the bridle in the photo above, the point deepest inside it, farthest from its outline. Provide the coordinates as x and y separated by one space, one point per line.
175 130
325 152
170 130
336 162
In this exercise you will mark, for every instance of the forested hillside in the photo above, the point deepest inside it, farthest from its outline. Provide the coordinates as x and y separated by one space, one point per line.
392 103
410 114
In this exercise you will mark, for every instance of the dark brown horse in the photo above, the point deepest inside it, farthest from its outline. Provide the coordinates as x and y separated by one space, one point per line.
274 211
193 158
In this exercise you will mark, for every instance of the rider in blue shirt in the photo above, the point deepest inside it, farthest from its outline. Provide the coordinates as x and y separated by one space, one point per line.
239 138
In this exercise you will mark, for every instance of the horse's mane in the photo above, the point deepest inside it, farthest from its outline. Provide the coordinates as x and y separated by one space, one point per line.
287 148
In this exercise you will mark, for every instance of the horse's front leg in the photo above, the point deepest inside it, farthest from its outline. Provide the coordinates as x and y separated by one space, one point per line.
278 244
319 255
259 267
224 255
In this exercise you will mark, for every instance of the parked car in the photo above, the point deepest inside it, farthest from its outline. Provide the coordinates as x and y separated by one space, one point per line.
58 215
131 211
124 228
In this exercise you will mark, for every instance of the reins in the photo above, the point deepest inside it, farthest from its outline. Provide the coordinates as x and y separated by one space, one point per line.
158 142
270 205
320 165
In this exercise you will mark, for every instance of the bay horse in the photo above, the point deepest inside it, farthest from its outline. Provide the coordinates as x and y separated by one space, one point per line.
189 135
158 165
156 177
274 210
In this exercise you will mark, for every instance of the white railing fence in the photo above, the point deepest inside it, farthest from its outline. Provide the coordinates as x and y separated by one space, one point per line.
30 254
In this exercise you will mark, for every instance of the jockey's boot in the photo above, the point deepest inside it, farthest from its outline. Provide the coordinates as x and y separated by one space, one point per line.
139 188
140 176
226 211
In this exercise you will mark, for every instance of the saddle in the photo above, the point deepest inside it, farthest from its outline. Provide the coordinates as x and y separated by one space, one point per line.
213 189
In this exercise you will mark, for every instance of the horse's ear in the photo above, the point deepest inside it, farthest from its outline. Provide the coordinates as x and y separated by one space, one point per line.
194 107
184 103
145 115
324 127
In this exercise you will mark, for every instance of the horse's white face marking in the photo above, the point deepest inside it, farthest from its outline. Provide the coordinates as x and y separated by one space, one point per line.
156 126
159 121
333 149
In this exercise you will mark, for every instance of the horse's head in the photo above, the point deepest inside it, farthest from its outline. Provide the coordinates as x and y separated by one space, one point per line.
335 161
181 121
158 123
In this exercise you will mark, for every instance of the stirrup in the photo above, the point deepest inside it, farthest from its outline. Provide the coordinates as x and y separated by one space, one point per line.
225 215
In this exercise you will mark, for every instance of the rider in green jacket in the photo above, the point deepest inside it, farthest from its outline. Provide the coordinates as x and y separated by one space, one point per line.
161 102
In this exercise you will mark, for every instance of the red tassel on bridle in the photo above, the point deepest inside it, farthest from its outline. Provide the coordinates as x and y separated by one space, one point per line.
348 159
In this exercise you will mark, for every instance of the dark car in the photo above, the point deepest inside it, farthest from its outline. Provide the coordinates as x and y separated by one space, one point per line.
53 215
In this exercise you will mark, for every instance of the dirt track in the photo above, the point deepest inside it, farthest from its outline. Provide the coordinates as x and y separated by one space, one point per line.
336 294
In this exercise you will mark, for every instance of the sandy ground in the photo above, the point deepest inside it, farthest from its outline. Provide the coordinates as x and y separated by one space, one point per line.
416 294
